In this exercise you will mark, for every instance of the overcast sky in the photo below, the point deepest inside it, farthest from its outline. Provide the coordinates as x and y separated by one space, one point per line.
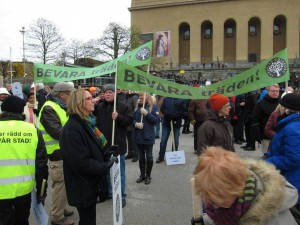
76 19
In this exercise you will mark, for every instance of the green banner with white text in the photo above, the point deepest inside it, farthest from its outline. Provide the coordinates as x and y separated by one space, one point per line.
270 71
44 73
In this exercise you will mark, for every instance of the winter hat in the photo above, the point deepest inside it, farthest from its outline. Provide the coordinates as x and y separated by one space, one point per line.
110 87
291 101
13 104
92 89
63 86
4 91
217 101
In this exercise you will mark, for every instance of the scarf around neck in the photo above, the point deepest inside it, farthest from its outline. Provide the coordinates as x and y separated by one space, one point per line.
91 121
232 215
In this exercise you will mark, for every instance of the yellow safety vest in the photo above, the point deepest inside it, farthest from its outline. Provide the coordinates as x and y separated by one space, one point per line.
18 144
51 143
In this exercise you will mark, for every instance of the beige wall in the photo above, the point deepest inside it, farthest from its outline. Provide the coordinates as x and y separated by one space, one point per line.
167 15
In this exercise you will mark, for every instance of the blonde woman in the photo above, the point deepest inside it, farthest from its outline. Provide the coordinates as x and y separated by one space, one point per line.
238 192
144 135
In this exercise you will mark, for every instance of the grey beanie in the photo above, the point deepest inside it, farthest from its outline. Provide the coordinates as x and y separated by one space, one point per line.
63 86
110 87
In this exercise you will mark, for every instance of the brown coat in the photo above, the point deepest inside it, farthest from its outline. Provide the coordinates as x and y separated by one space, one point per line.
216 131
197 110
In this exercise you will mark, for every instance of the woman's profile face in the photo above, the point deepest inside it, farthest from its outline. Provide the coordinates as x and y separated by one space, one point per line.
89 104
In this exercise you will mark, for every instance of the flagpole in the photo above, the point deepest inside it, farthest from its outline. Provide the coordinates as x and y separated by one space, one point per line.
115 106
144 101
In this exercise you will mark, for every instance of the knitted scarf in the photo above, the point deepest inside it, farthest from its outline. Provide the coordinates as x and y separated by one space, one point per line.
232 215
91 121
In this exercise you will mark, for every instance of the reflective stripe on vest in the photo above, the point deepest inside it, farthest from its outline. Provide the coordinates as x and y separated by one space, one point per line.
18 144
51 143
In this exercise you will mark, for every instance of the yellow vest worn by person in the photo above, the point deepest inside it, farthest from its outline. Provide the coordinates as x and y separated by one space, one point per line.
18 144
51 143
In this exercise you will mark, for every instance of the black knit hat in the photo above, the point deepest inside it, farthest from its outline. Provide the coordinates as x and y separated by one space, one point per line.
13 104
291 101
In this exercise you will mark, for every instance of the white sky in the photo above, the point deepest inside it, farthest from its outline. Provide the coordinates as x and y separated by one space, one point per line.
76 19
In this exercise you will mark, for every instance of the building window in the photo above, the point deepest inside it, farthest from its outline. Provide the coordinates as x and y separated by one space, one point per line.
276 29
207 33
229 32
252 30
186 35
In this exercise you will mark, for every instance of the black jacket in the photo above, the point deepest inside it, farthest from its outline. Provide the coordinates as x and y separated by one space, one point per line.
84 165
261 114
104 123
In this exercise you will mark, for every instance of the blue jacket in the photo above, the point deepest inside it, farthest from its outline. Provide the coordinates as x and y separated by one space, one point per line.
285 151
145 136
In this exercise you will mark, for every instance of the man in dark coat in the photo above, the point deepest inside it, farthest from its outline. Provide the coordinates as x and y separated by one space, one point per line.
105 115
261 114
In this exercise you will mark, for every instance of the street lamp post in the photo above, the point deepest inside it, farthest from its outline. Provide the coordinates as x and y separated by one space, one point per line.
23 33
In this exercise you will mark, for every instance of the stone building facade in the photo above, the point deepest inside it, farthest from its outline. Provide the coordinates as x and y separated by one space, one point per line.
218 31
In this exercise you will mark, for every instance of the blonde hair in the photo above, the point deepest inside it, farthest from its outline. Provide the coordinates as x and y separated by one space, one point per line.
220 175
273 85
75 104
149 99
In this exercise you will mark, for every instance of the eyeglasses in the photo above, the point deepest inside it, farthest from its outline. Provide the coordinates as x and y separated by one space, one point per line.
89 98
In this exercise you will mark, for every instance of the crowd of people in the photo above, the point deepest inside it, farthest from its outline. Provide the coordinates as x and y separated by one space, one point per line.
77 134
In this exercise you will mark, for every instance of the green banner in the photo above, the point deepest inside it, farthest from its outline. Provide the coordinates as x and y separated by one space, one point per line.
50 73
270 71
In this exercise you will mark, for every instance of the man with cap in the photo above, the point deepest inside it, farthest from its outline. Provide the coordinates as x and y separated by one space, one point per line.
285 149
216 130
23 163
52 118
3 95
105 115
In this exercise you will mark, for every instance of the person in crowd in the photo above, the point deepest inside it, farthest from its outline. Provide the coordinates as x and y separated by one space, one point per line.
41 94
94 93
261 114
52 119
239 111
145 119
9 89
30 112
85 162
197 112
271 124
3 95
131 102
22 165
121 94
173 110
105 115
159 100
216 130
288 90
263 93
186 120
285 149
250 102
235 191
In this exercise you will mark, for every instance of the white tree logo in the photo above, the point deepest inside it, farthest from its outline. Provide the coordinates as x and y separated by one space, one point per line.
143 54
276 68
